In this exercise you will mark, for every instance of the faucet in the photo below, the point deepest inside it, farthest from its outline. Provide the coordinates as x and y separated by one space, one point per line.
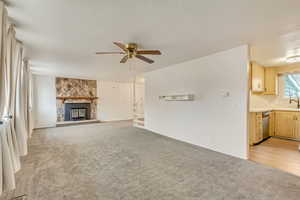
295 100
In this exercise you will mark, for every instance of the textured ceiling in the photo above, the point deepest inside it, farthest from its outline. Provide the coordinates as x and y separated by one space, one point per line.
61 36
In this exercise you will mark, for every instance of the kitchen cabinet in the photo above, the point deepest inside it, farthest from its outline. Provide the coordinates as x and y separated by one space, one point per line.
297 126
272 124
270 79
258 78
284 124
287 124
256 128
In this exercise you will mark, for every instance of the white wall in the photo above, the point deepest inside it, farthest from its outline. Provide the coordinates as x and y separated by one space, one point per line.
115 101
139 97
44 98
212 120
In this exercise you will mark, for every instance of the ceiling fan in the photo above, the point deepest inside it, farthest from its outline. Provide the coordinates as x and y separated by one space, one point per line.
130 50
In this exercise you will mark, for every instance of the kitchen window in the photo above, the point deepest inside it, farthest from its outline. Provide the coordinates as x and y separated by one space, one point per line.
291 85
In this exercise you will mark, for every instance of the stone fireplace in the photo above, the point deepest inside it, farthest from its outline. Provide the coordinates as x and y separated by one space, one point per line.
76 99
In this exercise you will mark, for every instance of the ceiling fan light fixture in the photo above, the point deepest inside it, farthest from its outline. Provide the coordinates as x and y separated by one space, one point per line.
293 59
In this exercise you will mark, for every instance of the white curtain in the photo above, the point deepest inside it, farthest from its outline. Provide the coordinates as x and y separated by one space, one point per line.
14 96
11 71
3 20
7 169
9 149
30 100
21 104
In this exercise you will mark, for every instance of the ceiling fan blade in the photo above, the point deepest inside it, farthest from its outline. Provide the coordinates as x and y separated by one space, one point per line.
122 46
100 53
124 59
143 58
149 52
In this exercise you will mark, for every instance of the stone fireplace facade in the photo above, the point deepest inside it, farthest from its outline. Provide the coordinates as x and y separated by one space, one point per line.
69 87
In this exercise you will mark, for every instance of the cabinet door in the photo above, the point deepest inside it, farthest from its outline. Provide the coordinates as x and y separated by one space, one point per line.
258 128
252 128
258 75
272 124
285 124
270 81
297 126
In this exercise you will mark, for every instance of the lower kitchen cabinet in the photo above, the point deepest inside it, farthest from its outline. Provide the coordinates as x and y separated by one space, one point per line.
256 128
287 124
272 124
284 124
297 127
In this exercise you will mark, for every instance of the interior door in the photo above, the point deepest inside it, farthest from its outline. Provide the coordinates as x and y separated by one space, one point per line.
285 124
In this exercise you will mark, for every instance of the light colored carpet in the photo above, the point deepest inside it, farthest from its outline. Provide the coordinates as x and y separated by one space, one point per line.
115 161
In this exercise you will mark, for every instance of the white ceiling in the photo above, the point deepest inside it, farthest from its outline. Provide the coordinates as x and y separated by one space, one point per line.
61 36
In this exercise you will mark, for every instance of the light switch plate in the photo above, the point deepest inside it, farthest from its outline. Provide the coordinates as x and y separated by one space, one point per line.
225 93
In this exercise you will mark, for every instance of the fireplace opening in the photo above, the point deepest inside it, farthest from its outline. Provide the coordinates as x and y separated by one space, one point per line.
78 114
77 111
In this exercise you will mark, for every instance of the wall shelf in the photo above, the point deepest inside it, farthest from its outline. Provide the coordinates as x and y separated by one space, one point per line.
183 97
77 98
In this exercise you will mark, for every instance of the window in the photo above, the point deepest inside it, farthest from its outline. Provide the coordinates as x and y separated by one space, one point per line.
292 85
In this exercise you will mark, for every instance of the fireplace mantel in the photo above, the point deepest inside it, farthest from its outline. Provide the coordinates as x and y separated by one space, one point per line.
77 98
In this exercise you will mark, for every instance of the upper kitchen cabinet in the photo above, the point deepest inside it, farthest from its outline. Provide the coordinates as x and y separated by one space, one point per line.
264 79
258 78
270 81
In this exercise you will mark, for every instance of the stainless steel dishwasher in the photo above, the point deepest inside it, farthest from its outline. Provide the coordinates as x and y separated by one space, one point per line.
265 123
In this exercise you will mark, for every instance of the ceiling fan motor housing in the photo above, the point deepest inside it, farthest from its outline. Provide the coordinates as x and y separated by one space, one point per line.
132 48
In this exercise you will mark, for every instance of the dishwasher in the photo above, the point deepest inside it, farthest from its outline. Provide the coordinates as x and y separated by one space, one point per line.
266 123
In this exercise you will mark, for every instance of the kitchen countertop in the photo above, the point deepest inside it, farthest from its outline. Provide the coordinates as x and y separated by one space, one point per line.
272 109
260 109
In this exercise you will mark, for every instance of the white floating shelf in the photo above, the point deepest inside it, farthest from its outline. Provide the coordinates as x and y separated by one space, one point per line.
184 97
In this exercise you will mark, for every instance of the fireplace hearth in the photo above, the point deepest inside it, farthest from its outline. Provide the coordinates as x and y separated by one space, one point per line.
77 111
